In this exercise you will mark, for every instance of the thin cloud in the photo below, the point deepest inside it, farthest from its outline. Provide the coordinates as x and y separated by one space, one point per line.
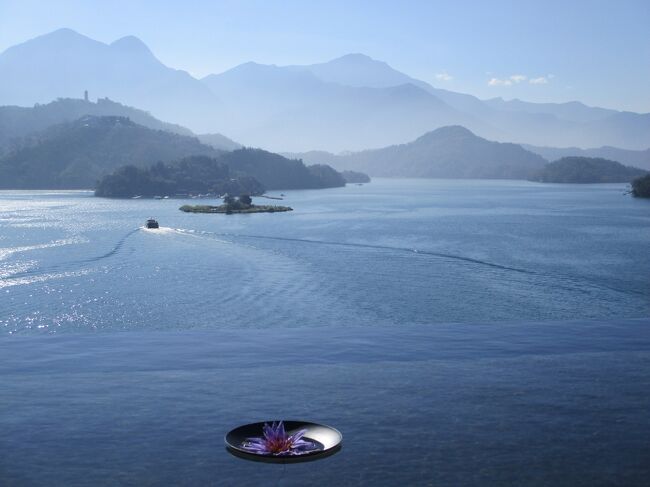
520 78
509 81
499 82
542 80
444 76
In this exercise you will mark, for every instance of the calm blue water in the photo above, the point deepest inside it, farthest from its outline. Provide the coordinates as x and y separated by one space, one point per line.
456 332
393 252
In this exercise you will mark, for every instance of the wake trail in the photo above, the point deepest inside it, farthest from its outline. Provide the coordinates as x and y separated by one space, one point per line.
48 270
568 283
366 246
110 253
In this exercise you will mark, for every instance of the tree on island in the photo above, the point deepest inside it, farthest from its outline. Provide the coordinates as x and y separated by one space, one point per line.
242 202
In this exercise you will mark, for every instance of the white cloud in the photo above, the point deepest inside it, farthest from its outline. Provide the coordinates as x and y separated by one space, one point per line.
519 78
499 82
444 76
542 80
509 81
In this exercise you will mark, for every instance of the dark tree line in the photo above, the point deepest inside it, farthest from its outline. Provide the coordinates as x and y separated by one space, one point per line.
195 174
641 187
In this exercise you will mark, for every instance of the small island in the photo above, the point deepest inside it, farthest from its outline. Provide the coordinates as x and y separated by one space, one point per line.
231 205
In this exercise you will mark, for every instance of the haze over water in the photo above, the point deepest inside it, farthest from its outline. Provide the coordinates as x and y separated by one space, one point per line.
393 252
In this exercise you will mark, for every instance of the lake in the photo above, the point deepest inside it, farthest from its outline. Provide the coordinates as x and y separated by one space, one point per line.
456 332
392 252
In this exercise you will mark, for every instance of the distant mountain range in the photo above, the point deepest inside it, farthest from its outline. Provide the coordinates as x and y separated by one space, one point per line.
293 109
78 153
447 152
350 103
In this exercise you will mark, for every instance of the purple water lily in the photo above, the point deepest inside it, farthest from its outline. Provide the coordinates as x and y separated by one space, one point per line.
276 441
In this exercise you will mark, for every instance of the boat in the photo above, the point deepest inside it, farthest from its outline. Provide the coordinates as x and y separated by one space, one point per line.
151 223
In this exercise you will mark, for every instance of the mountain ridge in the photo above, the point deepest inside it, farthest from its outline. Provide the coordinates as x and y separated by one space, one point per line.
17 123
348 103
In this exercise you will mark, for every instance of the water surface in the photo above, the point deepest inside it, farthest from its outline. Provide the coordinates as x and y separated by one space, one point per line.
456 332
392 252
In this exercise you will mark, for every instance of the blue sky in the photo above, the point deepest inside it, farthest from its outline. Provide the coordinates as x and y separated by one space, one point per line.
594 51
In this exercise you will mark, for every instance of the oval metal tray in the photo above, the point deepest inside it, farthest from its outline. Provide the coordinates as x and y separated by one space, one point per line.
327 439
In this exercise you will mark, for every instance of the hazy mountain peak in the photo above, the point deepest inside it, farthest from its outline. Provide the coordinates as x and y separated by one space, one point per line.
250 64
448 132
64 33
354 57
360 70
57 40
131 44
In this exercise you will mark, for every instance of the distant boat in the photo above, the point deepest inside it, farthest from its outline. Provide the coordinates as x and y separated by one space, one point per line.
151 223
136 197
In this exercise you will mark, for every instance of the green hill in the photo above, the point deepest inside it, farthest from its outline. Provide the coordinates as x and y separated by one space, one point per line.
76 154
19 122
448 152
277 172
587 170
